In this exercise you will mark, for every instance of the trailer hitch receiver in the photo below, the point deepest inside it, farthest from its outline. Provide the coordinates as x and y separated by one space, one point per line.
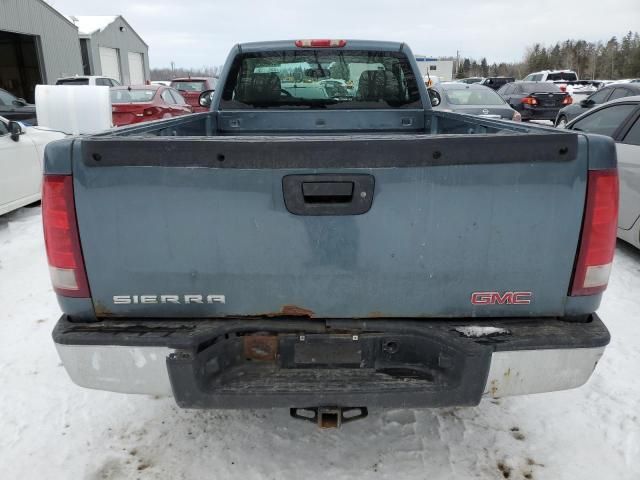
329 417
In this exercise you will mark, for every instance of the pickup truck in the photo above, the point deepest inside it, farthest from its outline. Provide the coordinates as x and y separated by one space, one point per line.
329 254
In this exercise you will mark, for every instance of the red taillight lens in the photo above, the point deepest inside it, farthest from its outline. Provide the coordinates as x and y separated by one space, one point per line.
320 43
598 241
529 101
66 264
567 100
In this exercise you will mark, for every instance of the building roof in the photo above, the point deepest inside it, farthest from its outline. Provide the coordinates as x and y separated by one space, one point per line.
89 24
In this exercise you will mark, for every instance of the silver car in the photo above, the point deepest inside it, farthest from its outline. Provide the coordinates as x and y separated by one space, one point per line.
620 120
473 99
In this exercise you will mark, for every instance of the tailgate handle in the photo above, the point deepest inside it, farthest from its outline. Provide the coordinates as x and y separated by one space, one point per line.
328 194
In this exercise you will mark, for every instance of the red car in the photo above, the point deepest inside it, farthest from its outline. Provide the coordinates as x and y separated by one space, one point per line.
191 87
146 102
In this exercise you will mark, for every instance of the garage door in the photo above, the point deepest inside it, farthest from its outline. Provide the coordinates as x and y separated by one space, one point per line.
136 69
109 62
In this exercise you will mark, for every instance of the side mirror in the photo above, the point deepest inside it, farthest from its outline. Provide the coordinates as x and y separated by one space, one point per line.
586 103
435 97
19 102
206 97
15 130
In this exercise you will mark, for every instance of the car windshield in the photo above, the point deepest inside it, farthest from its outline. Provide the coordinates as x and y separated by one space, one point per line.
568 76
189 86
321 79
73 81
476 96
541 87
125 95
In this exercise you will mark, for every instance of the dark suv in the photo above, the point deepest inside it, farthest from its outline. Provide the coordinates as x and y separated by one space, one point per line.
496 82
535 100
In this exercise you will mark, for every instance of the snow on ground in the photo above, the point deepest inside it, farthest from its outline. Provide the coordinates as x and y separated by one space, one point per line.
55 430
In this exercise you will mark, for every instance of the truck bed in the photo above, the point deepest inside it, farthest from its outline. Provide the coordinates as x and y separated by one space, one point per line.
444 215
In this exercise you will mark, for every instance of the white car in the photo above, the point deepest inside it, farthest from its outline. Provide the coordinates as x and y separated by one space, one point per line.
620 120
94 80
21 157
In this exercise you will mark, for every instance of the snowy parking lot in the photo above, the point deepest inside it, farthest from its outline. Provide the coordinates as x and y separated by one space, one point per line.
53 429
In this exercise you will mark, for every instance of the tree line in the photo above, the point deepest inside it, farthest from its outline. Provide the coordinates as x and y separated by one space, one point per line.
167 73
611 60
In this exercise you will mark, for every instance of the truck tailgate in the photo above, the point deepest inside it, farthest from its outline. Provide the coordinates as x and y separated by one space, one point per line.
329 226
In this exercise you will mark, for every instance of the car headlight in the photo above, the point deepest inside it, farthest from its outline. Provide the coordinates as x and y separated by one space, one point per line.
516 116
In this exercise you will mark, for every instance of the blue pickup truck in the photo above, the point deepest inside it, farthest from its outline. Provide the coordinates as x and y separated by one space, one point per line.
322 240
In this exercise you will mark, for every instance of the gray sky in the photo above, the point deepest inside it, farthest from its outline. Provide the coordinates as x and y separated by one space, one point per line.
194 33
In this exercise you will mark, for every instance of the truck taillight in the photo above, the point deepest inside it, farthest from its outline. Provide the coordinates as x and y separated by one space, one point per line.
598 240
529 101
567 100
321 43
62 242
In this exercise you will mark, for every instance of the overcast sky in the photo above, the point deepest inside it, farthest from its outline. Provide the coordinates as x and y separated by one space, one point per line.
193 33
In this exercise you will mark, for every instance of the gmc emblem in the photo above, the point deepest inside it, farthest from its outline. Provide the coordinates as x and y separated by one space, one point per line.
497 298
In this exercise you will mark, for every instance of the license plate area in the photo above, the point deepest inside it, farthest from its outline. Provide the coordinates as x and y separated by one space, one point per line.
325 351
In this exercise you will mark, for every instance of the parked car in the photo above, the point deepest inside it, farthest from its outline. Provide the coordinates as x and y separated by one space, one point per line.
14 108
237 259
94 80
470 80
579 87
612 91
191 87
146 102
535 100
472 99
620 120
551 76
496 83
21 158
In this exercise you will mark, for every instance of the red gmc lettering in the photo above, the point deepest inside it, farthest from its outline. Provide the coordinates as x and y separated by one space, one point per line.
506 298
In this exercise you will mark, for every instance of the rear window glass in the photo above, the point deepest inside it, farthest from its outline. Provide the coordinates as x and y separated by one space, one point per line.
189 86
73 81
568 76
319 79
468 96
131 96
540 87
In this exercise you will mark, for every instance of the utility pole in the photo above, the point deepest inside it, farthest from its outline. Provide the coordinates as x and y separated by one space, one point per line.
173 68
455 75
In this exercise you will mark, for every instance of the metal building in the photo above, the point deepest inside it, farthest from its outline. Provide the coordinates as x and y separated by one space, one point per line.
37 45
110 47
443 69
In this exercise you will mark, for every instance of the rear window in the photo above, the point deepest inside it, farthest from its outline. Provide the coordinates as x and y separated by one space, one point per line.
467 96
189 86
73 81
321 79
131 96
540 87
567 76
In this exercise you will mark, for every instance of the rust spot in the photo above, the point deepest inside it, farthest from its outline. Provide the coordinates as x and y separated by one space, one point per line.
261 347
494 388
101 310
293 311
